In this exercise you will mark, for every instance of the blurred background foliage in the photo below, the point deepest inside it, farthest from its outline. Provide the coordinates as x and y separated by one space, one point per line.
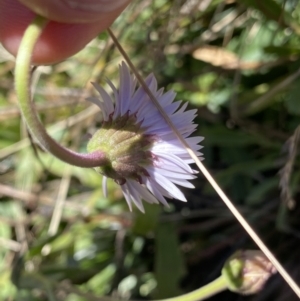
238 63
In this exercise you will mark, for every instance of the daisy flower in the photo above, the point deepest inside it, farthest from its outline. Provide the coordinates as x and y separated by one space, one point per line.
143 155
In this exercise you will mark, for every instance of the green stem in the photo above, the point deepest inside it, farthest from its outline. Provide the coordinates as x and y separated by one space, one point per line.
22 84
203 292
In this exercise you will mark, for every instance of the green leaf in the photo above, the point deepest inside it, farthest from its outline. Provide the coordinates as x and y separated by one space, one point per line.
271 9
169 264
260 192
101 282
221 136
293 99
28 169
145 223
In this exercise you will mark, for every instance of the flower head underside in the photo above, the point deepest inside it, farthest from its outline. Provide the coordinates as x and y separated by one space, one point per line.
143 154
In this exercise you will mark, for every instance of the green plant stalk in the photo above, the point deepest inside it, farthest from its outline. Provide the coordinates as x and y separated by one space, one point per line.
204 292
22 85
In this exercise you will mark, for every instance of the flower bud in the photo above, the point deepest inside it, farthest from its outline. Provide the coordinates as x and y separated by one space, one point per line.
246 272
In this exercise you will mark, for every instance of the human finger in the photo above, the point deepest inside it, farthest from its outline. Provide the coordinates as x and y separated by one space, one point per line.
58 40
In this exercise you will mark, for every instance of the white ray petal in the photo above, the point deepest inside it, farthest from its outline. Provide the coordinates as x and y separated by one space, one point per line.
144 193
156 192
173 159
168 185
126 194
171 174
135 197
125 89
182 183
104 186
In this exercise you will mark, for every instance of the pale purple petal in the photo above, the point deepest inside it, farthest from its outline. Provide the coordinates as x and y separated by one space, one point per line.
126 194
181 182
106 104
135 197
168 185
126 88
171 174
157 193
144 193
174 160
97 102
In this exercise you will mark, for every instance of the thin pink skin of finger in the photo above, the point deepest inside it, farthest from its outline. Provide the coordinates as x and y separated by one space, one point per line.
74 11
58 40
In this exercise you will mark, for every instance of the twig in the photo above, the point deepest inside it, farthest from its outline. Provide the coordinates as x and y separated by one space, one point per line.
10 244
20 227
286 171
263 101
13 111
60 201
32 200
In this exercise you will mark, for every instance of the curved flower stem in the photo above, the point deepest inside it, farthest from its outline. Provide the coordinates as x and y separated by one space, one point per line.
22 84
204 292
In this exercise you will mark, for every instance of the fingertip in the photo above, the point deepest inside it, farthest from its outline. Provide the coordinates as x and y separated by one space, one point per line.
58 40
